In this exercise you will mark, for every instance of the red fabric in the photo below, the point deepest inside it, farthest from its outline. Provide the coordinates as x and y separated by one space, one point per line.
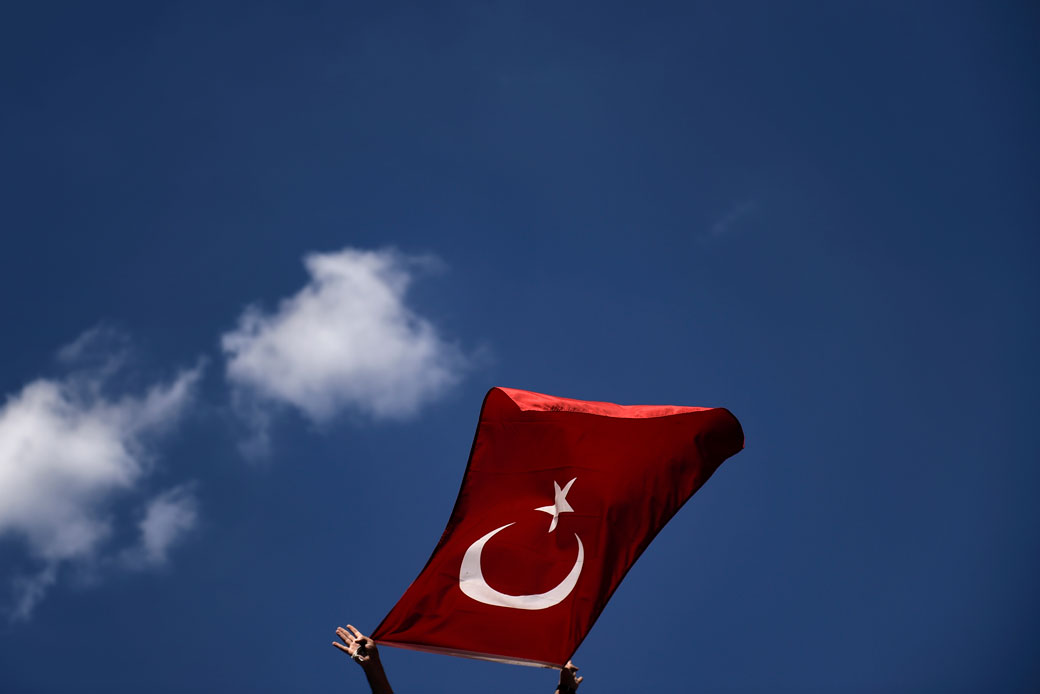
633 467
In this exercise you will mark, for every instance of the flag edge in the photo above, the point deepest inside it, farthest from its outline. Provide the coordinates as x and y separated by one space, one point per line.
473 655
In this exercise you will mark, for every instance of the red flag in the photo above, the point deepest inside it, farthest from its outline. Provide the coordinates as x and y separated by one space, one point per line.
559 499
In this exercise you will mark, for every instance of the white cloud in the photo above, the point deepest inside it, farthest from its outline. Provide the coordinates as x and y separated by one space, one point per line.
67 451
346 340
167 518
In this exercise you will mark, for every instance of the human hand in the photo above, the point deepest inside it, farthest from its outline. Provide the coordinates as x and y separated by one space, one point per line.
568 682
359 647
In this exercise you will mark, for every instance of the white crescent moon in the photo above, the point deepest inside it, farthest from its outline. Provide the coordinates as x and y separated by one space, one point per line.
472 583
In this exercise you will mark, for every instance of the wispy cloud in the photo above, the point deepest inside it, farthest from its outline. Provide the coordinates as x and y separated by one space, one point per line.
729 221
102 347
29 590
68 448
346 341
167 518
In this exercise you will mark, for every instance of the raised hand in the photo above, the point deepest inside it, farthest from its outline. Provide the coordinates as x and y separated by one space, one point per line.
568 682
355 644
363 651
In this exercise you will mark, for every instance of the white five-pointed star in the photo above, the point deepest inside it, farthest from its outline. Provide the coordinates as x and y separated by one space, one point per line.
560 505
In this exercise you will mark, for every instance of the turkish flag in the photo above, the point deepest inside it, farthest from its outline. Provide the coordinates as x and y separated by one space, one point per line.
559 499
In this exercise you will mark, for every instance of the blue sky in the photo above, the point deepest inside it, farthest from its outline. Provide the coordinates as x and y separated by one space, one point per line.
821 216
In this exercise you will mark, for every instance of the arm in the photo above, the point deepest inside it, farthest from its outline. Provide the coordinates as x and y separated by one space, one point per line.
568 682
363 651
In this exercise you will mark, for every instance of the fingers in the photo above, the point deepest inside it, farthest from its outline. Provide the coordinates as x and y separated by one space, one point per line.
365 644
352 645
568 682
348 644
355 644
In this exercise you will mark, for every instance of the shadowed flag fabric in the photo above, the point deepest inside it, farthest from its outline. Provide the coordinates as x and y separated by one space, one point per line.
559 499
